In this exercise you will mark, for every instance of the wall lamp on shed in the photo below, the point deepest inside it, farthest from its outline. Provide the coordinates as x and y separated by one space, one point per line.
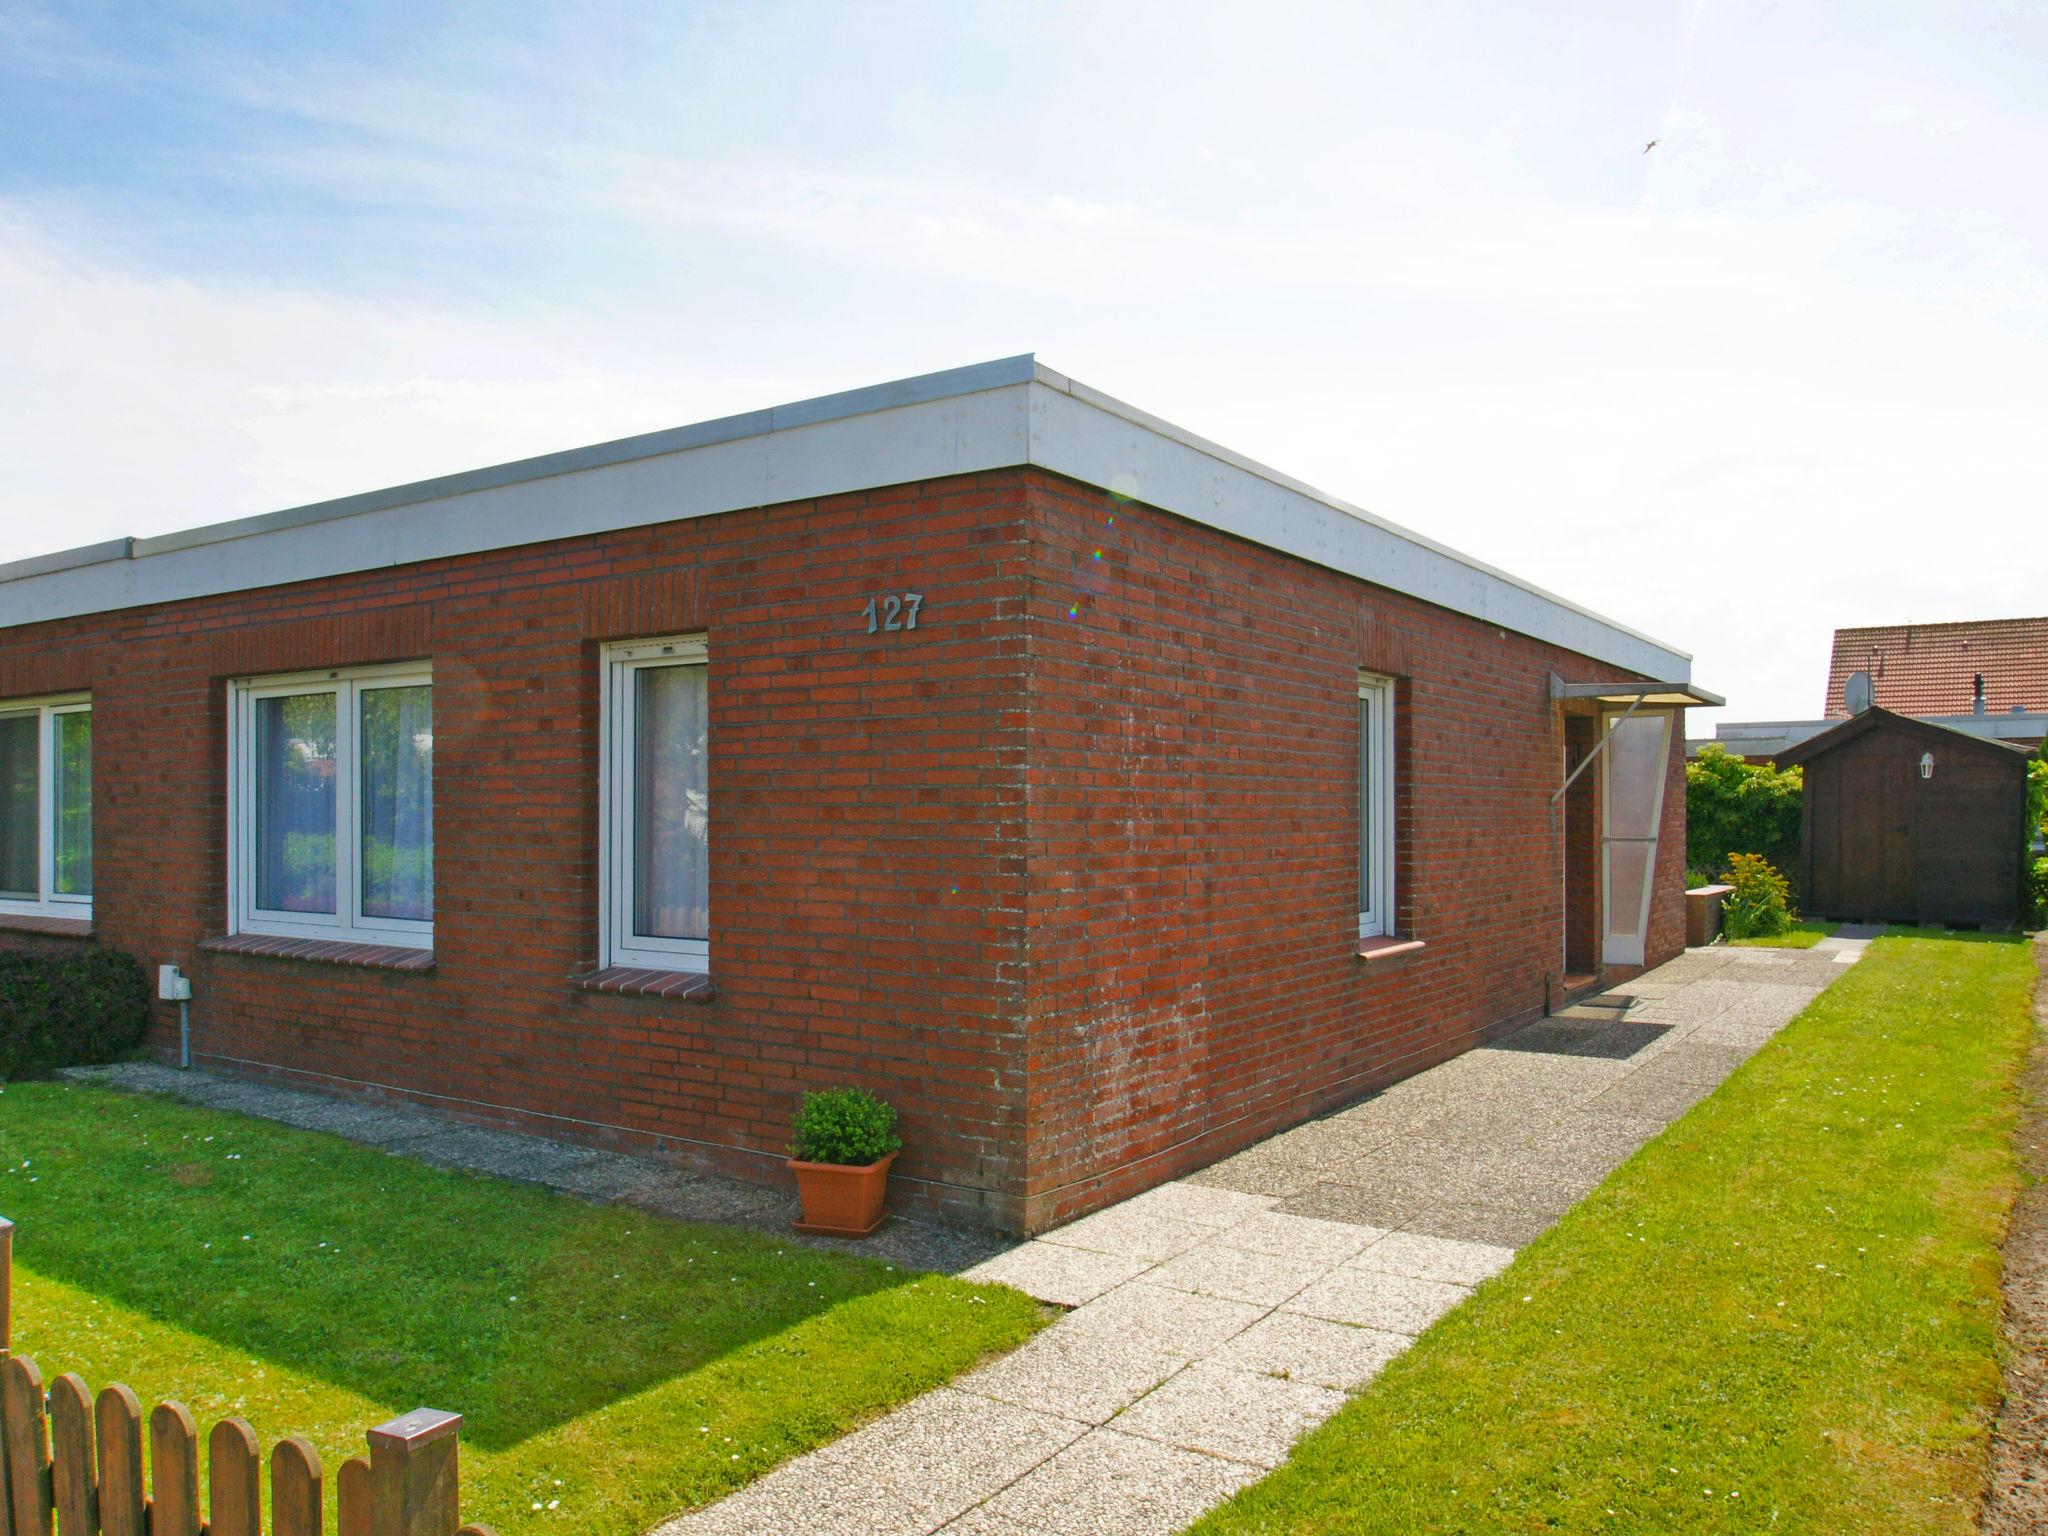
1926 765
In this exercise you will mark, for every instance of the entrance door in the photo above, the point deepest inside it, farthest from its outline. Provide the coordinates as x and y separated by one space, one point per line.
1633 770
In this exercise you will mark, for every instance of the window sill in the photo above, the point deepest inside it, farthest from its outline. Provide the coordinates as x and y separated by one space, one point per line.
51 927
637 981
1386 947
374 957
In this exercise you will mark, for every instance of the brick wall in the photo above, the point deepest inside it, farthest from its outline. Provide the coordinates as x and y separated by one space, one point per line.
868 794
1192 889
1069 873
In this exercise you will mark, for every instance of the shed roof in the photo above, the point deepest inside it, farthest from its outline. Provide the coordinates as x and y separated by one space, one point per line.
1876 718
1931 669
1007 413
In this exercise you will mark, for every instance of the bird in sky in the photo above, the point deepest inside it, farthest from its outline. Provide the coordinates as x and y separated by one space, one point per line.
1649 146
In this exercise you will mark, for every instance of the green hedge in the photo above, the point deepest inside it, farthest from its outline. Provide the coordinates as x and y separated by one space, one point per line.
1736 807
69 1010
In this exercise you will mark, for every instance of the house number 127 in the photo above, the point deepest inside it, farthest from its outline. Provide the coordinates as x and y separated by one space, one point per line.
892 613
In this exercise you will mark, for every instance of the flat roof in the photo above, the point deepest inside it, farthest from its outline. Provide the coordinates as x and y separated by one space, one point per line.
1003 414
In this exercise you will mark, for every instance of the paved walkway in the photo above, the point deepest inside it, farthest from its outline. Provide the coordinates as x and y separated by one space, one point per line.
1217 1318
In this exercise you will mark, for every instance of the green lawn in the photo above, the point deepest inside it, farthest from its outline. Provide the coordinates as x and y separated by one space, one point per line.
1798 936
1781 1315
611 1367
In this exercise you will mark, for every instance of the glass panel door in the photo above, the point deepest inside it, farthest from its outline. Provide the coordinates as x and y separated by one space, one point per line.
1633 771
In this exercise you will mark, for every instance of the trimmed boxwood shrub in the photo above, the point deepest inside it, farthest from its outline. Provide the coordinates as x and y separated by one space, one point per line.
69 1010
844 1125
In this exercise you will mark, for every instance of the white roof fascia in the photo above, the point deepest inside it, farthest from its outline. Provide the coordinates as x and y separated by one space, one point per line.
990 416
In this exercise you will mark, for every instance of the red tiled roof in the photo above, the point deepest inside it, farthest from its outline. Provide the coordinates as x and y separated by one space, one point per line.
1931 669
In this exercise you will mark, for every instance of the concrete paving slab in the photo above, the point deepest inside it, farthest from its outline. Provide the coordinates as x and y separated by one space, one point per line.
1130 1234
1182 1321
1436 1258
1067 1277
1259 1171
808 1496
1520 1179
1327 1243
942 1454
1085 1375
1387 1209
1480 1223
1707 1062
1651 1095
1110 1484
1263 1279
1331 1142
1298 1347
1223 1411
1372 1298
1204 1205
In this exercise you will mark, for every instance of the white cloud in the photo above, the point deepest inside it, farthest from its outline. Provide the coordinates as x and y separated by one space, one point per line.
1781 374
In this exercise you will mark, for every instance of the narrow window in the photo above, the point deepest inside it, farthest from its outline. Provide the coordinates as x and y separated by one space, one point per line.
332 789
46 808
1375 805
656 806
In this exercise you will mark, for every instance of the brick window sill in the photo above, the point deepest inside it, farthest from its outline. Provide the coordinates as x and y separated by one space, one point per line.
371 957
636 981
1386 947
50 927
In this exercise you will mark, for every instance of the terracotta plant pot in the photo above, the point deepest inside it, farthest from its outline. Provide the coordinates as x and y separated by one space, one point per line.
840 1200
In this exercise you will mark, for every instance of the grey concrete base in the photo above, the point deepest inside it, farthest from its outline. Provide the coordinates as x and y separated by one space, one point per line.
587 1173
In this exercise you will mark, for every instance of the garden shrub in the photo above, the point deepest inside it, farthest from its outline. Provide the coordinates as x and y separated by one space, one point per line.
1736 807
844 1125
69 1010
2034 897
1760 906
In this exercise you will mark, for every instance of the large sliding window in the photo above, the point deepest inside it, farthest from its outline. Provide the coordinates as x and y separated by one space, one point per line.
331 780
46 807
1375 805
656 806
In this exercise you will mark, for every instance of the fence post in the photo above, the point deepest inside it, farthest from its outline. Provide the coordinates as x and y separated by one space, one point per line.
74 1482
6 1343
6 1286
28 1447
117 1415
295 1488
173 1471
414 1485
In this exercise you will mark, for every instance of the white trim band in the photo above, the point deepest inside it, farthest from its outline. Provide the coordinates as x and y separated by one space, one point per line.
996 415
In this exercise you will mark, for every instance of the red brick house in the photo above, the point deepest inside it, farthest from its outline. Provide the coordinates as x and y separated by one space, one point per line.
1104 799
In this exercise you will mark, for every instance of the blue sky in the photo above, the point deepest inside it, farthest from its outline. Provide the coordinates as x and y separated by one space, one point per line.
1783 372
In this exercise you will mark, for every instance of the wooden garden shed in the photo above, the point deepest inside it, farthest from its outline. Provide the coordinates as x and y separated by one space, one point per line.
1904 821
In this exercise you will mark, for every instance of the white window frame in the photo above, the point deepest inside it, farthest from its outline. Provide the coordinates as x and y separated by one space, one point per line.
346 924
48 900
1375 848
616 789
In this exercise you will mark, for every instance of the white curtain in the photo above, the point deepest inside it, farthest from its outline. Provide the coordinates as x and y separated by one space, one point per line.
671 802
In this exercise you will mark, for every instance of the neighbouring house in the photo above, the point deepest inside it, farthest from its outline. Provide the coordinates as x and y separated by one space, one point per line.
1906 821
1985 677
1106 800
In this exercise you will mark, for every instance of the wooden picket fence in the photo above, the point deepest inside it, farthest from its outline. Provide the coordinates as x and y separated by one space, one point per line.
70 1456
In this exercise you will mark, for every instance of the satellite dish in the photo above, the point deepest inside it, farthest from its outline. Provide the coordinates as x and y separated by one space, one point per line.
1856 692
